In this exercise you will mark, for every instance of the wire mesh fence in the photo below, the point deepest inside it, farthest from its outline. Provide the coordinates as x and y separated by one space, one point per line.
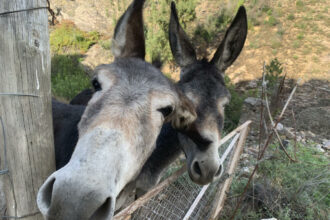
183 199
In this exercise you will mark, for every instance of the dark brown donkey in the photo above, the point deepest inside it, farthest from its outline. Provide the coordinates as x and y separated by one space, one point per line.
203 83
117 131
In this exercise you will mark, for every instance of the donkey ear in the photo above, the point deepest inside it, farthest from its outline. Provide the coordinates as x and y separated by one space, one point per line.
233 42
184 114
128 40
182 50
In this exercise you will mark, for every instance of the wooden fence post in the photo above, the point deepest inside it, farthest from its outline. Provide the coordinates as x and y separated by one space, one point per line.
25 105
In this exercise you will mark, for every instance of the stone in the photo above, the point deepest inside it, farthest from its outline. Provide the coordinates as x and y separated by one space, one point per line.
288 133
253 101
269 219
246 170
302 134
319 148
326 145
279 127
310 134
252 84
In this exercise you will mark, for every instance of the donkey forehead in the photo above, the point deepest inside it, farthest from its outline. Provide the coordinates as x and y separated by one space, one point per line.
135 87
204 84
136 74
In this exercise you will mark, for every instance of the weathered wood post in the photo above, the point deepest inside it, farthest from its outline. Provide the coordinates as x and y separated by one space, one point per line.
25 105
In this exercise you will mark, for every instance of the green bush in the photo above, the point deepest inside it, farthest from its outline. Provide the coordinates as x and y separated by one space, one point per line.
286 190
234 108
105 44
213 26
300 4
66 38
68 76
291 17
156 32
304 185
272 21
273 75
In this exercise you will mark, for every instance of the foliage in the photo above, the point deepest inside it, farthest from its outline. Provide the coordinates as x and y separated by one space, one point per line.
304 184
105 44
273 75
291 17
67 38
68 43
68 76
272 21
299 4
234 108
288 190
157 46
213 26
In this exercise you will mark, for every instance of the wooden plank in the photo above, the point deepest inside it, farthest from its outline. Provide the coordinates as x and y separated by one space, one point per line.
233 132
25 69
223 188
18 5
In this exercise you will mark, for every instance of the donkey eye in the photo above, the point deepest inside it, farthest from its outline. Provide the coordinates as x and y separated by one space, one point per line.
166 111
96 85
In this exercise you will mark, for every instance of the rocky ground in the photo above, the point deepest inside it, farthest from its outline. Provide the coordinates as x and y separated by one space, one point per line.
310 125
310 105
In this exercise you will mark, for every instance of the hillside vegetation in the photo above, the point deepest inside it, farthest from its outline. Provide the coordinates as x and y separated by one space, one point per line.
295 32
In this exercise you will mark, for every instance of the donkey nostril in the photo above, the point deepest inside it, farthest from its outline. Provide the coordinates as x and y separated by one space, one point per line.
219 172
197 168
45 196
103 212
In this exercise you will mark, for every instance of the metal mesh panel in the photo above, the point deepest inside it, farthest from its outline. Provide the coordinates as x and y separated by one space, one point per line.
174 201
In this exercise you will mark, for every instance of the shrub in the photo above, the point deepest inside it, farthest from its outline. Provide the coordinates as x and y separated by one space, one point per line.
300 36
304 184
273 73
272 21
68 76
283 189
234 108
105 44
67 38
156 31
291 17
213 26
299 4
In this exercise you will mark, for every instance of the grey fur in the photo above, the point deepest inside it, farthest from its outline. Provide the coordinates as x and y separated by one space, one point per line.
117 130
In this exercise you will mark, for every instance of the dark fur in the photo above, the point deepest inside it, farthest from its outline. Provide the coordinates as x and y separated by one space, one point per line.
205 81
65 123
82 98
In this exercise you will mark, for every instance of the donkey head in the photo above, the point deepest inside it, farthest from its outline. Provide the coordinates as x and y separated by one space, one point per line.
203 83
117 131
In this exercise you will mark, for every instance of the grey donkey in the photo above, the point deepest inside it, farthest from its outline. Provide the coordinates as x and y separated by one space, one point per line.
203 83
117 131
